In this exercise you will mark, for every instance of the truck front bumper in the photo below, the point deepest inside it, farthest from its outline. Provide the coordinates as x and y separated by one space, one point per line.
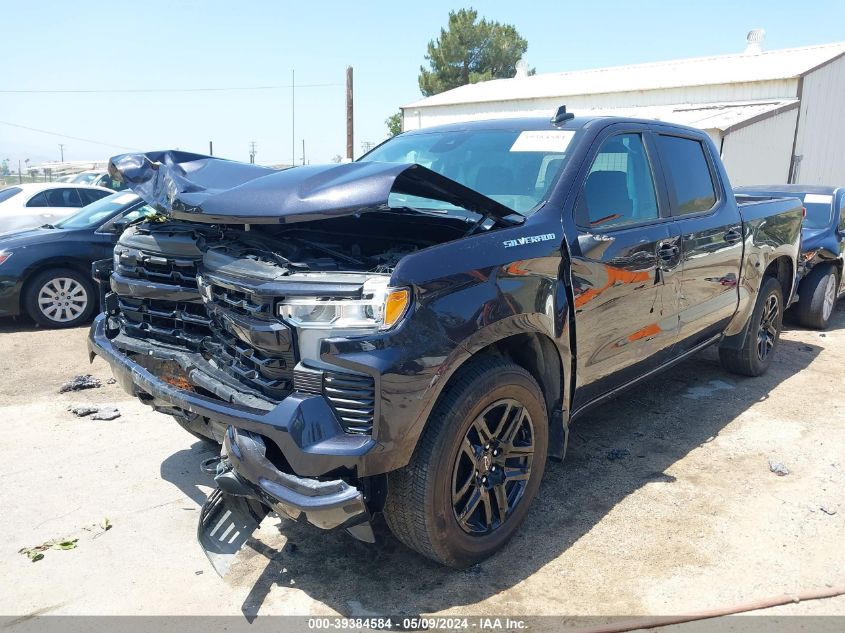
249 485
303 426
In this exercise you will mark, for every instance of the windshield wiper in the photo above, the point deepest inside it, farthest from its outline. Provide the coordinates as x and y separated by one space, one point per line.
47 226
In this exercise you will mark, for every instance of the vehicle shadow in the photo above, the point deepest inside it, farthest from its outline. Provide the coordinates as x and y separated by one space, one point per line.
18 324
653 426
182 470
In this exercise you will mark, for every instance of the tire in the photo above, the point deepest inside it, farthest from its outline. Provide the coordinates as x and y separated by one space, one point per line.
764 327
60 298
192 428
424 499
817 297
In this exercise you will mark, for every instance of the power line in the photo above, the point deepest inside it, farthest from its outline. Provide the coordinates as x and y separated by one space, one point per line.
75 138
164 90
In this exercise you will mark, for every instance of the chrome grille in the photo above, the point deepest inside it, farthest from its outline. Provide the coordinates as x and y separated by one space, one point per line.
138 264
270 374
180 323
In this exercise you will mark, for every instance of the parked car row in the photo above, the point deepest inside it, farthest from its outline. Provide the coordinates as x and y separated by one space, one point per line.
45 272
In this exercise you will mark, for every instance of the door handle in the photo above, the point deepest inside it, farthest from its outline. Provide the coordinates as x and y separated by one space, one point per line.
733 235
668 252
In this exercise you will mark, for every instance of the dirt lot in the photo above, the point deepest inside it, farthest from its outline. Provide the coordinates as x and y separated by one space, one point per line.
689 518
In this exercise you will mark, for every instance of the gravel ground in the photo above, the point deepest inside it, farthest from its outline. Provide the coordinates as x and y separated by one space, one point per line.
665 504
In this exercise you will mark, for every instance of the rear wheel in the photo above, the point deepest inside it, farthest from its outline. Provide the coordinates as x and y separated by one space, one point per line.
817 297
755 356
476 468
60 298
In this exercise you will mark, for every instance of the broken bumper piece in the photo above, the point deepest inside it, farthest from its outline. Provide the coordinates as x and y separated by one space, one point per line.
249 485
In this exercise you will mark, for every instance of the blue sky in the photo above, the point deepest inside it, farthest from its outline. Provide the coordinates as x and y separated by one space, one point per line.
82 45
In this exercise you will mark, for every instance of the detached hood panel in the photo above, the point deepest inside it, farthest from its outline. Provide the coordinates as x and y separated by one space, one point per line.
214 190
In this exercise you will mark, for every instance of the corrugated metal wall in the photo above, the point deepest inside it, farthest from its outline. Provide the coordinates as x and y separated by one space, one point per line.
415 118
759 153
821 127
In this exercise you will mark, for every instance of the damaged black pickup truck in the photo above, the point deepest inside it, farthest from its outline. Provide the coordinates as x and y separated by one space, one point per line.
413 333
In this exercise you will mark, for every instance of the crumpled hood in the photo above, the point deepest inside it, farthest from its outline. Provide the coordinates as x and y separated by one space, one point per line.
207 189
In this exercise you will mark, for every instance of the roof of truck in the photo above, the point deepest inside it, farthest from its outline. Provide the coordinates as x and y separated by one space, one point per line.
536 123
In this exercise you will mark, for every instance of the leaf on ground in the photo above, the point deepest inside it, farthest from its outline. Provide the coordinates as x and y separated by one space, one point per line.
67 544
33 553
105 524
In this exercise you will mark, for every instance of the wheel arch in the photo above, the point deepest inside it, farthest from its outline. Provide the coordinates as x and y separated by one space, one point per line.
781 269
540 356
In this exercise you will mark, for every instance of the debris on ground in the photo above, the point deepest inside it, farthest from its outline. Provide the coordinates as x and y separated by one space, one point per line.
37 553
617 453
106 413
96 413
111 381
105 524
829 510
82 410
778 468
78 383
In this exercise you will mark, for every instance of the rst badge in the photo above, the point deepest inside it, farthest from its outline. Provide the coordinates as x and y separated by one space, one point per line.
530 239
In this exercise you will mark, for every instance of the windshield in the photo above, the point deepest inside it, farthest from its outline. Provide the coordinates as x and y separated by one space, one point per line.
513 167
8 192
102 210
819 211
86 178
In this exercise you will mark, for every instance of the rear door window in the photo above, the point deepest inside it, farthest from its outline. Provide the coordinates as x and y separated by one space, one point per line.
690 178
59 197
39 200
619 189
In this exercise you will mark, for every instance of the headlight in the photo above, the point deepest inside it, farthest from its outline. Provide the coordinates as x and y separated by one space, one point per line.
4 255
380 308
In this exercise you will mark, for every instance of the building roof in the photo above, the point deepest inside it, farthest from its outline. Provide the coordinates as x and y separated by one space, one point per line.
699 71
724 117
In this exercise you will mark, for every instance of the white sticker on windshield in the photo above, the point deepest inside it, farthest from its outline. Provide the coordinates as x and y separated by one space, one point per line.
542 141
818 198
124 198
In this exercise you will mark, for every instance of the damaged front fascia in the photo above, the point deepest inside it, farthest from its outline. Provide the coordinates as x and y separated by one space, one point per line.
213 190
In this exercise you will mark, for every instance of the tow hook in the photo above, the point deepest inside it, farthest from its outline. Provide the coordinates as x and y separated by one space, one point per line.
212 465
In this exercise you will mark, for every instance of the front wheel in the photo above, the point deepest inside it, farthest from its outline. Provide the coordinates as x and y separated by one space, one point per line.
476 468
755 356
60 298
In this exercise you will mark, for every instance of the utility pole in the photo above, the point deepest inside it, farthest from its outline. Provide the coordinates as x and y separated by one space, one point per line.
292 117
349 140
252 151
20 174
62 150
210 148
303 151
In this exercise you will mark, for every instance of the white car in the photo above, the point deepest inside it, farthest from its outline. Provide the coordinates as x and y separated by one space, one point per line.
30 205
98 178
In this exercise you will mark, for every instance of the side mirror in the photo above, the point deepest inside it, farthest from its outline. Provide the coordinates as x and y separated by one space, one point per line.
118 226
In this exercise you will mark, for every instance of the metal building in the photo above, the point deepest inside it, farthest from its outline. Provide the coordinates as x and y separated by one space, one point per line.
775 115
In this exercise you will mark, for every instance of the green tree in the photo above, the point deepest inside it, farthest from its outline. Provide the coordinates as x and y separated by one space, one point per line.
394 123
470 50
